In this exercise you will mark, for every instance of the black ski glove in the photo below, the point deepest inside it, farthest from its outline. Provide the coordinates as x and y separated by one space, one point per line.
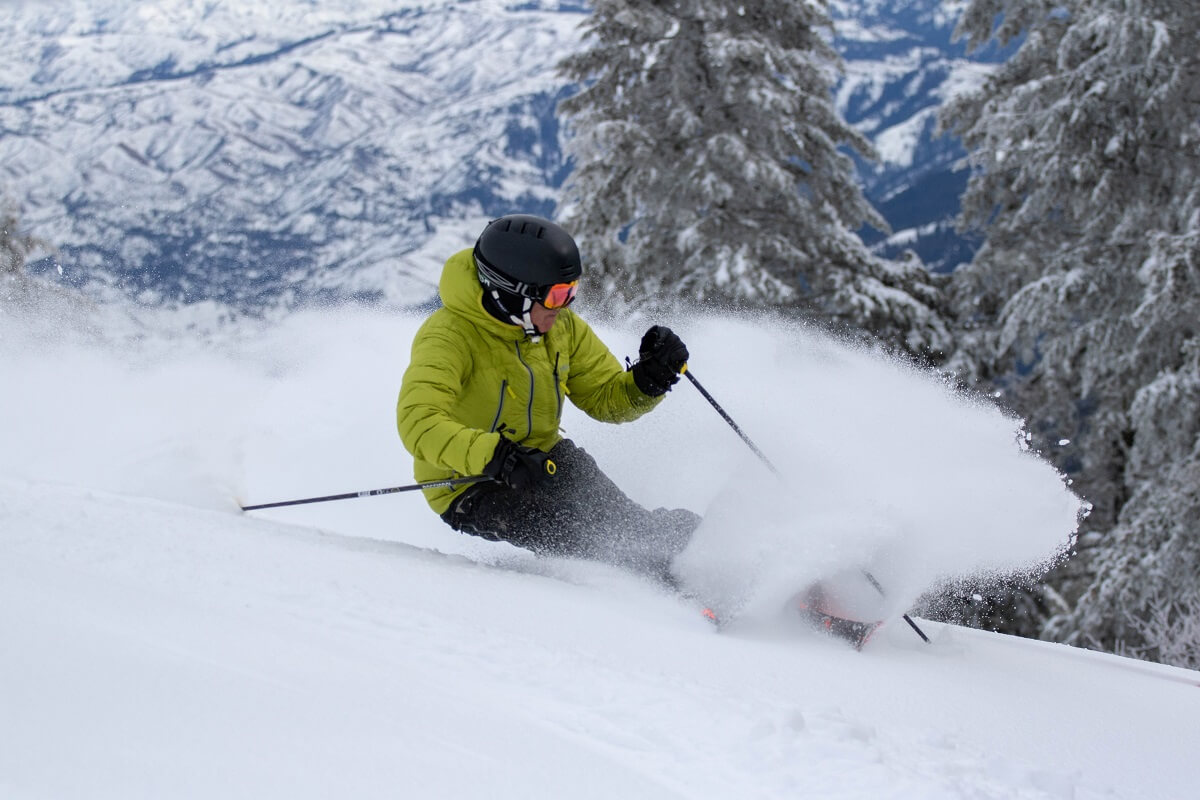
518 467
661 357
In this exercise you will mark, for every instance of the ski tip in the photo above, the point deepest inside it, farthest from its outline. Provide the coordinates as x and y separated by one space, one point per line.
853 632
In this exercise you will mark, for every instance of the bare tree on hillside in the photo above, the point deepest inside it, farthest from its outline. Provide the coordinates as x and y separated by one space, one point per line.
15 246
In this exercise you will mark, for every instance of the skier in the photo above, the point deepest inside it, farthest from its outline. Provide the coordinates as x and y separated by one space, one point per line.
484 391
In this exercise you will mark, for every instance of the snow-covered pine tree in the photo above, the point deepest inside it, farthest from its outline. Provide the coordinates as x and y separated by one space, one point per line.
706 166
1084 303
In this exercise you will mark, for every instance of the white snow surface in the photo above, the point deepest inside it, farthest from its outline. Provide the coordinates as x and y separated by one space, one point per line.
159 643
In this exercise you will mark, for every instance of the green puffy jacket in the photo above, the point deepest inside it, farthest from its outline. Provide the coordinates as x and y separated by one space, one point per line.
472 375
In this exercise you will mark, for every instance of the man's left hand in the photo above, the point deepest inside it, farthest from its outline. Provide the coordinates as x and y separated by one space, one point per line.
662 356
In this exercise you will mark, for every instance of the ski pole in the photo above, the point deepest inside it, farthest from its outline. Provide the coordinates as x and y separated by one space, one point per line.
907 618
712 401
373 492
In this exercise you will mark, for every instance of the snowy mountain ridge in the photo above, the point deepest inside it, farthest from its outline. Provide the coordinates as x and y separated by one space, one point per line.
293 151
286 152
902 63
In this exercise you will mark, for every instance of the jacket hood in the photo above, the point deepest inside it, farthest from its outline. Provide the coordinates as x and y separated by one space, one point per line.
462 294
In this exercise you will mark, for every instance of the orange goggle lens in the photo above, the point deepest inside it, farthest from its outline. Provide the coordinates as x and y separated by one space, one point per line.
560 294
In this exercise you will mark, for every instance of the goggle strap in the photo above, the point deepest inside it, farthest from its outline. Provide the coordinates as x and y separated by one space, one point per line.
498 279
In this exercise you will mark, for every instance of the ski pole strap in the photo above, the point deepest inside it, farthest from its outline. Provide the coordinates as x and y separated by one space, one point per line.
448 482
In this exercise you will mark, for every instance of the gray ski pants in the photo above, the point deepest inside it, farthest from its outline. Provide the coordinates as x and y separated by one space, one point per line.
578 512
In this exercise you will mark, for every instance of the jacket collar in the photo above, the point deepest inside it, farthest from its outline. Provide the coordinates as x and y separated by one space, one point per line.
462 294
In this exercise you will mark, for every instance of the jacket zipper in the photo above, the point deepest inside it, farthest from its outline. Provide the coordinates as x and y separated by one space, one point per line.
500 409
529 408
558 389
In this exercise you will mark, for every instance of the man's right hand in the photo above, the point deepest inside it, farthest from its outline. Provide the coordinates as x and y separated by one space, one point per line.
518 467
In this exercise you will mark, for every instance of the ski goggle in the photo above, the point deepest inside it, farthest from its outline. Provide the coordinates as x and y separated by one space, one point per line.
560 295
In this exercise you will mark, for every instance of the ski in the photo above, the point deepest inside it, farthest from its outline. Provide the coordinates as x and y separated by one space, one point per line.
821 612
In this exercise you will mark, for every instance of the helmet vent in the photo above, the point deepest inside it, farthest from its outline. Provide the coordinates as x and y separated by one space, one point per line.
531 229
524 228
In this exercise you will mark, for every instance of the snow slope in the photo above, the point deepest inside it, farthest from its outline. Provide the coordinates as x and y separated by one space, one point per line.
157 643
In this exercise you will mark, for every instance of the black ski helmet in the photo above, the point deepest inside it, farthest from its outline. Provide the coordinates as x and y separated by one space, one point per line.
522 254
